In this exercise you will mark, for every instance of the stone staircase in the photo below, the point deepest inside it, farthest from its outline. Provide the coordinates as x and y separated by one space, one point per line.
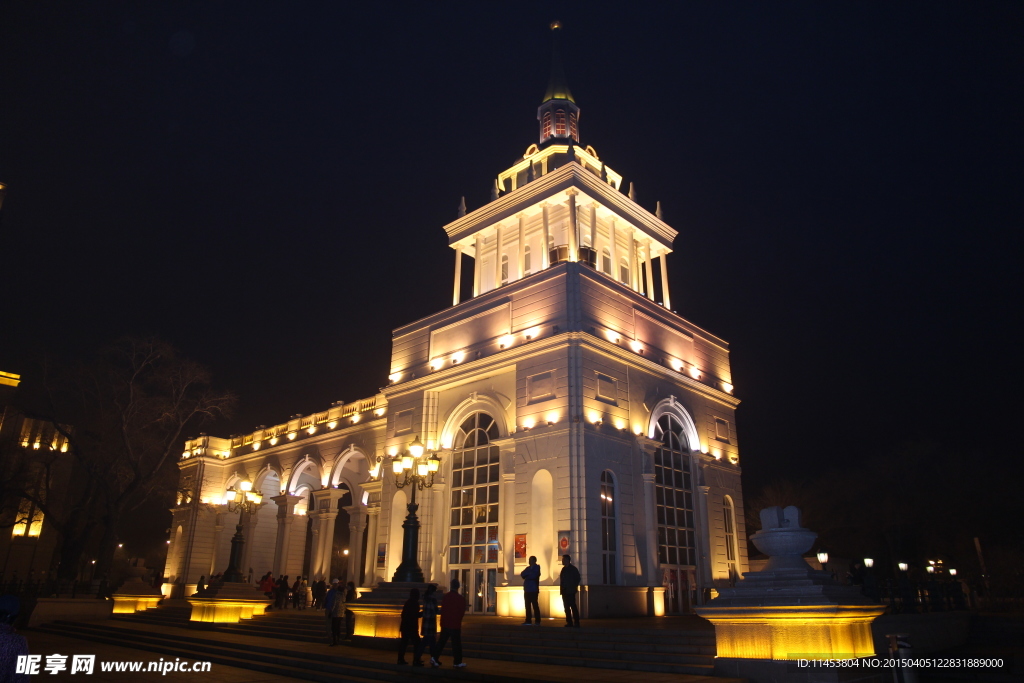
617 645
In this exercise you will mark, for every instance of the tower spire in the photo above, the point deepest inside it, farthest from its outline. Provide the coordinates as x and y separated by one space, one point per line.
558 113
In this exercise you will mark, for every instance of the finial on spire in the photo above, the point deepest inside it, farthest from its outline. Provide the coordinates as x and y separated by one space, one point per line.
632 192
462 207
657 210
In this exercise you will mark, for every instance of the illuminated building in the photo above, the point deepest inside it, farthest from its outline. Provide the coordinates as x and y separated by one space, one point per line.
568 402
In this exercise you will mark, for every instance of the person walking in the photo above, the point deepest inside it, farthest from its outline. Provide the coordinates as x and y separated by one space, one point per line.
334 608
408 629
430 610
351 595
453 608
531 590
569 582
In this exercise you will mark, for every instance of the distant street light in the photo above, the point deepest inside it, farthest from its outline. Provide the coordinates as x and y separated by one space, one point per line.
868 562
930 569
823 558
904 566
952 572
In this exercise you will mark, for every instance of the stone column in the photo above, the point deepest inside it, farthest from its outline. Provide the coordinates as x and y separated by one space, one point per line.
438 529
285 517
326 501
574 237
458 275
370 561
521 268
545 251
632 262
500 235
593 230
356 526
651 512
704 548
613 252
218 527
478 262
664 284
508 524
650 272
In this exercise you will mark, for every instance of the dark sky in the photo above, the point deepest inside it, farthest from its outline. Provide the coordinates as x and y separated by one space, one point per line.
264 185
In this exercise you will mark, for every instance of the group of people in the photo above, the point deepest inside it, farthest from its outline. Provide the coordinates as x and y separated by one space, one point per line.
569 585
333 603
280 590
425 638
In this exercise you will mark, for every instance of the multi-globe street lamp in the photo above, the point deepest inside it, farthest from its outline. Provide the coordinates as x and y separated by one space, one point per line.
416 471
244 500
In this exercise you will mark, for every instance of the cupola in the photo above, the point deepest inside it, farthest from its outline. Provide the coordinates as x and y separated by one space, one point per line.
558 114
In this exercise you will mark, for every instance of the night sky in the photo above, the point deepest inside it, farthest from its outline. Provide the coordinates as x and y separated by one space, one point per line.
264 185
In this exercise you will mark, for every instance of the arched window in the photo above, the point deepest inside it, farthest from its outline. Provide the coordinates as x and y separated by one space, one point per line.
560 122
606 261
527 266
729 521
504 269
673 490
624 270
473 533
573 129
545 125
609 542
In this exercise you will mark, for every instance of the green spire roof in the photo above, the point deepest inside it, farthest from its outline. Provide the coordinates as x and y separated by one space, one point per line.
558 89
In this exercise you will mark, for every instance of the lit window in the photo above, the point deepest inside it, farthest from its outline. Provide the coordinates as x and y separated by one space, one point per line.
504 269
545 126
527 266
606 261
560 122
609 544
573 129
673 489
29 521
623 271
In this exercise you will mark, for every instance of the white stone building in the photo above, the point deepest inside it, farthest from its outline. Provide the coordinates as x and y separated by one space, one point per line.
569 404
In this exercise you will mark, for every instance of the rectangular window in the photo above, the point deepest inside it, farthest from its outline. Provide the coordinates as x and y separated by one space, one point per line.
403 421
721 429
607 389
540 387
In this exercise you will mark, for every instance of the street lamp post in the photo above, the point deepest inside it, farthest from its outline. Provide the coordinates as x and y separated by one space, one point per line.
241 501
416 471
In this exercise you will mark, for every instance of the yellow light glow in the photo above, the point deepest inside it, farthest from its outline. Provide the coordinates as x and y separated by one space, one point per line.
393 451
677 365
205 500
434 463
416 448
396 465
552 417
638 430
256 445
395 376
64 447
230 495
375 471
300 513
620 423
531 333
406 462
312 430
506 341
435 363
35 446
594 416
952 572
636 346
332 424
694 372
355 418
292 435
868 562
246 485
726 387
529 423
422 469
379 412
716 453
446 442
457 357
273 441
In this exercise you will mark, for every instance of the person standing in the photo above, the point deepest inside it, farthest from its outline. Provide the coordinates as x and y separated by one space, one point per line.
453 608
569 581
319 593
334 608
531 590
296 594
409 628
430 610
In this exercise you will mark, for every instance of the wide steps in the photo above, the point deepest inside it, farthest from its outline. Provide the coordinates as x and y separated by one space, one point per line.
328 668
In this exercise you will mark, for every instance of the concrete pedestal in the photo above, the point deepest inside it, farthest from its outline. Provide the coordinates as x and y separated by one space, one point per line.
227 603
135 595
378 612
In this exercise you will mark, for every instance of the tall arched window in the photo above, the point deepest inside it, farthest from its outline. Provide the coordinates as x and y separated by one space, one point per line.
624 270
606 261
473 536
609 542
527 263
545 125
504 269
674 504
560 122
729 518
573 128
